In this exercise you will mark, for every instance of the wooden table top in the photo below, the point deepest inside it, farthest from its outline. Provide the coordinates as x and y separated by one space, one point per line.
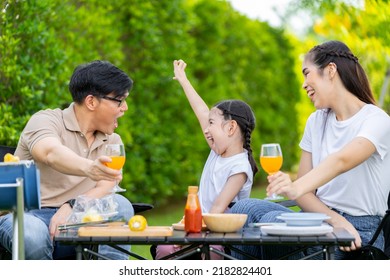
245 236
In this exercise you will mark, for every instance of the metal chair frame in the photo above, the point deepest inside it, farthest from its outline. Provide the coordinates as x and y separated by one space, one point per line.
18 218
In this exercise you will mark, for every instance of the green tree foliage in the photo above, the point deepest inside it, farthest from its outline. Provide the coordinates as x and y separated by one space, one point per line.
29 57
41 41
364 27
228 55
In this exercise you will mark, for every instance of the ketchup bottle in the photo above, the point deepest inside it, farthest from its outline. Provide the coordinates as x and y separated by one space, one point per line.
192 212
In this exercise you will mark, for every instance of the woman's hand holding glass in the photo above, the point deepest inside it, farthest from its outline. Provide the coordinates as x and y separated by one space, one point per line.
281 182
117 154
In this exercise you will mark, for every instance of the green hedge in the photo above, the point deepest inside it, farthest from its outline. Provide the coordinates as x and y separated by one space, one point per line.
228 56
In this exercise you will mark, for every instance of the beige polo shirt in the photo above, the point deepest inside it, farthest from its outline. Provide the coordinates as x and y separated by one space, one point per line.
56 187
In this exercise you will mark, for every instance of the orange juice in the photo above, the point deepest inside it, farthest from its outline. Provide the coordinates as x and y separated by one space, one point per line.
271 164
117 162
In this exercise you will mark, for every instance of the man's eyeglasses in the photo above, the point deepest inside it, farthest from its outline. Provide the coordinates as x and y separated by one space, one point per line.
120 101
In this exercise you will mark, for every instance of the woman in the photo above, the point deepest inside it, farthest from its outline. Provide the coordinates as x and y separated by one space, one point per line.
345 162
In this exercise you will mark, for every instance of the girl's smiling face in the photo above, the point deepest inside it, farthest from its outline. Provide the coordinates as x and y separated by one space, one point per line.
217 132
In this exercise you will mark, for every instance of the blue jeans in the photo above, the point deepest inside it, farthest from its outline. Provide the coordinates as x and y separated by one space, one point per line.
37 242
263 211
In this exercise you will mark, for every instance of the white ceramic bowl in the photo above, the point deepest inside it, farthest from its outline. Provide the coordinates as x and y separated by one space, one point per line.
224 222
301 219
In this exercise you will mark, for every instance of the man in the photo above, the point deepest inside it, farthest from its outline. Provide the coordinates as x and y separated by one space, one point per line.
68 148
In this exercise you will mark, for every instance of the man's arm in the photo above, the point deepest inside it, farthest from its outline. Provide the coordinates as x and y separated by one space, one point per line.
51 152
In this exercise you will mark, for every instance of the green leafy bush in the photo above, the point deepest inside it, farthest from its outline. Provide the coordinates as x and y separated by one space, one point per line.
228 56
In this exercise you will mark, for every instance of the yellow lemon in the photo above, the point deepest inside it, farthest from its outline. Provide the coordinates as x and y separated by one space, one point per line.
137 223
10 158
92 218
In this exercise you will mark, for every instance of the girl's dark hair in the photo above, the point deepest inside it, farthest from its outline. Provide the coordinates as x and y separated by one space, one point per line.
242 113
351 72
98 78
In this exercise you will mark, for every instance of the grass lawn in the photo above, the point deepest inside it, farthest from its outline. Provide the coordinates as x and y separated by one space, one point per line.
172 214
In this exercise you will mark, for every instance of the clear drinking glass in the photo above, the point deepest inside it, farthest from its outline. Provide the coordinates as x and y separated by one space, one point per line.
271 160
117 153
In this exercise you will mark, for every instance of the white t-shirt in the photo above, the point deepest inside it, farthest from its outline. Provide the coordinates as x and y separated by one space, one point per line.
364 189
216 172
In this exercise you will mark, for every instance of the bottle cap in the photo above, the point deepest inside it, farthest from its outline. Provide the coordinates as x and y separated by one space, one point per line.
192 189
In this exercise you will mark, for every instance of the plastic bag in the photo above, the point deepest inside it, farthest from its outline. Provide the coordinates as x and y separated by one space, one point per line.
87 209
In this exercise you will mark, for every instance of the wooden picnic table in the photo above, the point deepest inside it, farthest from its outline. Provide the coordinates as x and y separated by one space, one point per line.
87 244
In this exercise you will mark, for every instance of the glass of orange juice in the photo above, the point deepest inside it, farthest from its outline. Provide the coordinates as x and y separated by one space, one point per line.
117 154
271 160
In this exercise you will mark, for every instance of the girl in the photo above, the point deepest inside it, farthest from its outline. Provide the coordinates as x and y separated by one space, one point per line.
229 170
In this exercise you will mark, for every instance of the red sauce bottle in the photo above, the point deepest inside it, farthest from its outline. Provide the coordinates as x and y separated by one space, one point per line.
192 212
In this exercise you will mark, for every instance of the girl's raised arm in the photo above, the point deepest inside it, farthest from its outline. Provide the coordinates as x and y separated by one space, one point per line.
199 107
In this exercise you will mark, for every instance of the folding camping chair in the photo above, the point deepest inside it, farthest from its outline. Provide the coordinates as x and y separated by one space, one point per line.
5 255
